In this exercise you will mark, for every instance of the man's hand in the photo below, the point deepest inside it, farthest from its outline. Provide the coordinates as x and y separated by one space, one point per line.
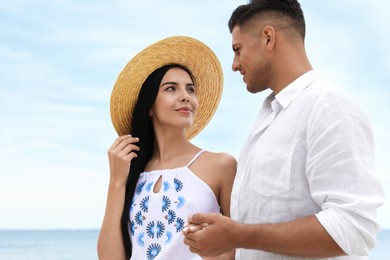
210 234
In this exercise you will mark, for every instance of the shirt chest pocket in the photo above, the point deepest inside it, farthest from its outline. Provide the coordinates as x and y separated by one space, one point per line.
271 169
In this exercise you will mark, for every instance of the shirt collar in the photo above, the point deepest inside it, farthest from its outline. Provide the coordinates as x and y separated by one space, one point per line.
291 91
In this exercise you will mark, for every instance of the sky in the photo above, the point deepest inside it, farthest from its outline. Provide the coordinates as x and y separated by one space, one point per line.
59 60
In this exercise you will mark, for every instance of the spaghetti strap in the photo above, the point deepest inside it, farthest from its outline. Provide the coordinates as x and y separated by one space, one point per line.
195 157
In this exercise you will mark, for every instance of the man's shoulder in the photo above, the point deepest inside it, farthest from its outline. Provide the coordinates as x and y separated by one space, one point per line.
324 93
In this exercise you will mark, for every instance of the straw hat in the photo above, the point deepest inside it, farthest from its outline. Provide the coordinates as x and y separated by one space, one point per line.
187 51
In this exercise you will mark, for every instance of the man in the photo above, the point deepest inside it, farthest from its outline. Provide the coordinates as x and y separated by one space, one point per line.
304 186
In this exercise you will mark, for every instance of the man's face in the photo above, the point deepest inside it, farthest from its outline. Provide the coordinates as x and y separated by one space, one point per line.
250 59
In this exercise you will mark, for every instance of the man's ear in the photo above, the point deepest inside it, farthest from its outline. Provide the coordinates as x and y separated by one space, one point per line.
269 36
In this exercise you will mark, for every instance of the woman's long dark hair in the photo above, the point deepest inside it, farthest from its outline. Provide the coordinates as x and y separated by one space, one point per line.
142 127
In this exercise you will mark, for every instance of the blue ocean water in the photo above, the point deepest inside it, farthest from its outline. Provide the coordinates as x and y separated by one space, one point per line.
48 244
81 244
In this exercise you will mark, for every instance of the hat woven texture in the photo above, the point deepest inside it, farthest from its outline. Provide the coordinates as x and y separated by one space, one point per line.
187 51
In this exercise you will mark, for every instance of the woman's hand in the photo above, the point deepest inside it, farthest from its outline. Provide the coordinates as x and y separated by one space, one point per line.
120 154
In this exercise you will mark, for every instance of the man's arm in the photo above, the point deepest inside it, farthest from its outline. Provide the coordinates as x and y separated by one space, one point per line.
303 237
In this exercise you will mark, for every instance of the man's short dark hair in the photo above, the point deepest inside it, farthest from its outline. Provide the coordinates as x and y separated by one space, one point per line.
287 10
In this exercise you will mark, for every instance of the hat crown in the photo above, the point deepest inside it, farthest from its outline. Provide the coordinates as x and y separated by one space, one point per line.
184 50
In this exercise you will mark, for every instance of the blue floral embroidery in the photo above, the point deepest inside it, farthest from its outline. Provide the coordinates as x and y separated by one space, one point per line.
138 190
150 229
166 186
179 224
157 229
132 206
140 239
131 227
145 204
160 229
178 184
153 251
149 186
170 217
139 218
166 203
169 237
181 203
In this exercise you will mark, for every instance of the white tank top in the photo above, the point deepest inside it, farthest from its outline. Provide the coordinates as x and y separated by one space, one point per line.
157 219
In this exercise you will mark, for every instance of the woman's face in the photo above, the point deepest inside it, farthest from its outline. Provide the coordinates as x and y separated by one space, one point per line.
176 102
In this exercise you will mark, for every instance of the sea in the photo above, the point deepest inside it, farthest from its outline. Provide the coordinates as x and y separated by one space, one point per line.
81 244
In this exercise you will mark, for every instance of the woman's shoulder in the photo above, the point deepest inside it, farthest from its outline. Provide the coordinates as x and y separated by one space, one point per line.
220 160
221 157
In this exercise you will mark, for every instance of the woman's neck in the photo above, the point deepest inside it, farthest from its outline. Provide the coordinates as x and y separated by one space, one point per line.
170 149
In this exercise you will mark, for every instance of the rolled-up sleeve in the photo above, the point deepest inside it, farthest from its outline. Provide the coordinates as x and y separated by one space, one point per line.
340 171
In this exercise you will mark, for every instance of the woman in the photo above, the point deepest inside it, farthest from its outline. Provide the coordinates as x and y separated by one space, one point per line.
164 96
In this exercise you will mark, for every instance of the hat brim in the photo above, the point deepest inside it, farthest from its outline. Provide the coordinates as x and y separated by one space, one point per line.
187 51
